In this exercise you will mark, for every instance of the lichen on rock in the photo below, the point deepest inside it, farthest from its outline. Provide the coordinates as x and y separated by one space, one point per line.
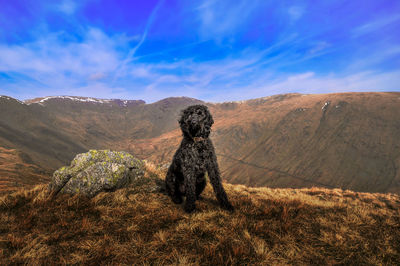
97 171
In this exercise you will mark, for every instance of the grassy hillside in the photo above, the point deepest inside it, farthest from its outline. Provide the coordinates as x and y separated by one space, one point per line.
342 140
34 131
52 132
138 225
13 163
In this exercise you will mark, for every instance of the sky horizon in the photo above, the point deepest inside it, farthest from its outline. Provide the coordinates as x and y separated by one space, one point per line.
210 50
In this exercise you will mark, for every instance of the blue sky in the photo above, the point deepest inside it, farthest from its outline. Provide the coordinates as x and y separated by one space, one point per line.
213 50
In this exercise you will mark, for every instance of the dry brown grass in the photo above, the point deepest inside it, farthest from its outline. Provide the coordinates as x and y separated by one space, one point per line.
16 173
137 226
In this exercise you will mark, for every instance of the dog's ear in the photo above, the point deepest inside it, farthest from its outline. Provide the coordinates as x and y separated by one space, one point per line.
210 120
183 121
182 115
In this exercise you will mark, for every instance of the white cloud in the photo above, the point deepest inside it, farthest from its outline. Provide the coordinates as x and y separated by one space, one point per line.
142 72
53 63
51 66
129 57
219 19
51 54
375 25
309 83
300 77
97 76
67 6
319 46
295 12
370 59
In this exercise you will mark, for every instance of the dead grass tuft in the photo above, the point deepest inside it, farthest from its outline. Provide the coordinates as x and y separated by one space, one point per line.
138 225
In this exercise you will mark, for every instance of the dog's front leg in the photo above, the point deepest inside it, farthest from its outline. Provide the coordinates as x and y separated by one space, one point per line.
190 189
172 186
215 179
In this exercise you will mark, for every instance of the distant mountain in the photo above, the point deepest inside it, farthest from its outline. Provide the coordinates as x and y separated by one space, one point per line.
110 102
347 140
48 132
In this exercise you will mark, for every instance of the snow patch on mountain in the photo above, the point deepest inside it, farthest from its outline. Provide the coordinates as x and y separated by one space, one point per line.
326 104
79 99
122 103
11 99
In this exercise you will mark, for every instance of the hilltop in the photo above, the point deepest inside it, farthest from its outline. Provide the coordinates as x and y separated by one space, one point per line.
137 225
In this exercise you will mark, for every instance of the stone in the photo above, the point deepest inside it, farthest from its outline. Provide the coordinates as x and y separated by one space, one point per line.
97 171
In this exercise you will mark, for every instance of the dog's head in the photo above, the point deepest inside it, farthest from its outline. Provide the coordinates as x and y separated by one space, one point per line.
196 121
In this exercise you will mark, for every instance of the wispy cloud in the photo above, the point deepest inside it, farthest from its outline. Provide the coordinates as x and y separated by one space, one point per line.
236 79
99 62
361 81
318 47
379 56
59 65
132 52
67 6
52 67
310 83
375 25
295 12
219 19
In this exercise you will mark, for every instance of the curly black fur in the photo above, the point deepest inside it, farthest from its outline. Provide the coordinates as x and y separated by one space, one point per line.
195 156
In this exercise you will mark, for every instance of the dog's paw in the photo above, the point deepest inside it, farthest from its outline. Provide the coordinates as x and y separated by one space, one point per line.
189 208
227 206
177 200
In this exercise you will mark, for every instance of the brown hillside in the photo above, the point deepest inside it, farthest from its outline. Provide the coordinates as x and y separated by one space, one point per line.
287 140
351 143
52 132
135 226
13 162
292 141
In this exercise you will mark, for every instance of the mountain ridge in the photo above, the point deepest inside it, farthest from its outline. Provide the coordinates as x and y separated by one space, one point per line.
120 102
345 140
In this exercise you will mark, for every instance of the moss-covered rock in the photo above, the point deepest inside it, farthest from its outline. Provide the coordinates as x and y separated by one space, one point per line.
96 171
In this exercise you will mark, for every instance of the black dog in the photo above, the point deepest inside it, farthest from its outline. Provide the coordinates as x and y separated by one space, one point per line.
195 156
